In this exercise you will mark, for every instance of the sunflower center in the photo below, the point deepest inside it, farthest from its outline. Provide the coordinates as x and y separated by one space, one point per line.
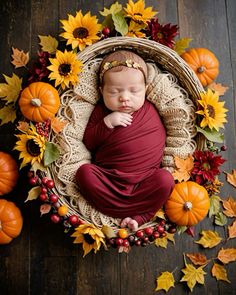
32 148
80 33
211 111
88 239
206 166
64 69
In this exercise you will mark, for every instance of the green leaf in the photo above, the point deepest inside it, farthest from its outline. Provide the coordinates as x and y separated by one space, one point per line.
108 22
181 229
114 8
120 23
51 153
33 193
214 205
7 114
211 135
220 219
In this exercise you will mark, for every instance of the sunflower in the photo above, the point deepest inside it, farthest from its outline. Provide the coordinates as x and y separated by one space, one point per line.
81 30
134 30
31 146
90 236
65 68
213 110
138 12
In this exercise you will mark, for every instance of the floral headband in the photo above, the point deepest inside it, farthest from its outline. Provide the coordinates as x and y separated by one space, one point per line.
127 63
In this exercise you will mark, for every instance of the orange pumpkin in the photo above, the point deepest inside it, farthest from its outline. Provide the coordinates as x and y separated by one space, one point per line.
39 101
8 173
10 221
204 63
188 203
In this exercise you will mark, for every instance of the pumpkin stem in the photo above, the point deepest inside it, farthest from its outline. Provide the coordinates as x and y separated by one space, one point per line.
188 206
36 102
201 69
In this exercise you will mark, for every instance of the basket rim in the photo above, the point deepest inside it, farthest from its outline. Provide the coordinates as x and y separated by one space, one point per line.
161 54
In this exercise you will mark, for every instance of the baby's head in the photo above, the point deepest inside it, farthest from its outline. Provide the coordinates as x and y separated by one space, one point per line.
123 77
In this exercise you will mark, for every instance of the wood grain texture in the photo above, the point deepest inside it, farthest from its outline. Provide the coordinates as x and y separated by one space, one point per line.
43 259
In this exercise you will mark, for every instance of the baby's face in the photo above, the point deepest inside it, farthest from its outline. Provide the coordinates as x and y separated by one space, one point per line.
124 91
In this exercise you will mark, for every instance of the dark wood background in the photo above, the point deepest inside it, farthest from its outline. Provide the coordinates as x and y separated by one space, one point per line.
43 260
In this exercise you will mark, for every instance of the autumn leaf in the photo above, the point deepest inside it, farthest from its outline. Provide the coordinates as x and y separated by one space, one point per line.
38 166
45 208
209 239
7 114
20 58
181 45
165 281
193 275
114 8
230 207
227 255
160 214
57 125
218 87
232 230
33 193
184 168
108 231
220 219
214 205
198 259
171 237
161 242
48 43
219 272
10 91
22 126
231 178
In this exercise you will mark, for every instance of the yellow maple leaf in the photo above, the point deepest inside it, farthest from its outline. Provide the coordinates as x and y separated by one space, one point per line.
198 259
227 255
161 242
165 281
209 239
57 125
114 8
161 214
181 45
218 87
219 272
48 43
171 237
193 275
7 114
184 168
232 230
231 178
10 91
20 58
230 207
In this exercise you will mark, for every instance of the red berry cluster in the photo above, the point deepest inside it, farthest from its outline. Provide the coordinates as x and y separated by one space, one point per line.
145 236
42 128
47 196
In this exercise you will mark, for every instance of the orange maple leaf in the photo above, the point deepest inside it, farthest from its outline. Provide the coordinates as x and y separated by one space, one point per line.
198 259
184 167
230 207
218 87
20 58
232 230
23 126
231 178
57 125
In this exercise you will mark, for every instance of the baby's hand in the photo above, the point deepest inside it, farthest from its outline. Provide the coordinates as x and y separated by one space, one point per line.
118 119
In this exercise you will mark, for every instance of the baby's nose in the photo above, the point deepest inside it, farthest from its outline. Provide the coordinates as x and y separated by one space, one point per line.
123 97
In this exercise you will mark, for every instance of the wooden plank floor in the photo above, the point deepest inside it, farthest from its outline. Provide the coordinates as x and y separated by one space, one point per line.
43 259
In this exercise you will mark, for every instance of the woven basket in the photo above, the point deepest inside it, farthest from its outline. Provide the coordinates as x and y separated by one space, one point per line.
166 59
